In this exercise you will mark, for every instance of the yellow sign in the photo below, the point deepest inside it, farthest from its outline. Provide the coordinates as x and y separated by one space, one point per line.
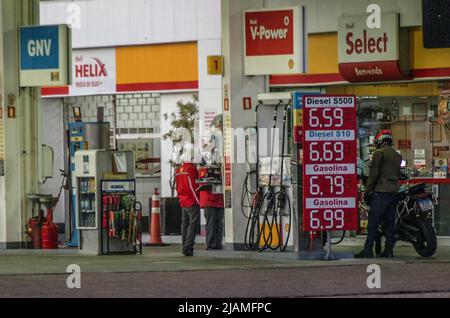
215 65
298 117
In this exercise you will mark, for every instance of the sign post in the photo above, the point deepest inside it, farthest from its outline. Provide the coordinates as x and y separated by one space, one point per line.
329 164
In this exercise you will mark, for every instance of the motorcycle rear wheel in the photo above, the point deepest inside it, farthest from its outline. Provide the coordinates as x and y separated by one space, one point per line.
426 244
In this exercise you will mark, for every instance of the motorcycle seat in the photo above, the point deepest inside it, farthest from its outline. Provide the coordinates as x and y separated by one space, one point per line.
417 189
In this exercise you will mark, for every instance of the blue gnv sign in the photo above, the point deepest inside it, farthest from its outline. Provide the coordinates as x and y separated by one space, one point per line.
44 56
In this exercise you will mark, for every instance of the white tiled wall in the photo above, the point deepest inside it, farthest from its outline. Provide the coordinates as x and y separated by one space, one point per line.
132 110
89 106
139 111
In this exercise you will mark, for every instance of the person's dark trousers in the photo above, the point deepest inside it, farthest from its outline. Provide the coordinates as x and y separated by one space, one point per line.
214 227
382 209
189 226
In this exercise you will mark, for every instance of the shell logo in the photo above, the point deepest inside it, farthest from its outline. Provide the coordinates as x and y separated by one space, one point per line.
291 64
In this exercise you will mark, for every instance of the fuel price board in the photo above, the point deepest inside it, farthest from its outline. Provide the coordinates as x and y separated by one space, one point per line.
329 163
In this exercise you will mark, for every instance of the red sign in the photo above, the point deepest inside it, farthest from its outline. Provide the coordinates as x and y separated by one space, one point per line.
329 163
247 103
227 163
226 104
372 71
269 32
298 134
228 179
404 144
274 41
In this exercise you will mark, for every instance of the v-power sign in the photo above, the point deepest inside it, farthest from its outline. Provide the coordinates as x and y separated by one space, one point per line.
44 55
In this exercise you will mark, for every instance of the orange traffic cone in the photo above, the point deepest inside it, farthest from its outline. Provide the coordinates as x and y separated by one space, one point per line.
155 229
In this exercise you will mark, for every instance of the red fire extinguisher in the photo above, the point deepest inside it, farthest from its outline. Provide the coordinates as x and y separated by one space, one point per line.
49 233
34 232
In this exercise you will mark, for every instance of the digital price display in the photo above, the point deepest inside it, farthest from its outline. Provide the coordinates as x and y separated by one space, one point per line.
329 163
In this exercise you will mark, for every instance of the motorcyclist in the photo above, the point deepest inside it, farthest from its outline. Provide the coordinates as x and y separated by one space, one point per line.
381 192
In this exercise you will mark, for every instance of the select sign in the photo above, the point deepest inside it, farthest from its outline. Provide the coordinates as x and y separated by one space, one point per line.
44 56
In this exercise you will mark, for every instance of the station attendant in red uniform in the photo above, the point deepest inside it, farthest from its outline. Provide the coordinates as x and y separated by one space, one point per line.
188 197
212 203
214 213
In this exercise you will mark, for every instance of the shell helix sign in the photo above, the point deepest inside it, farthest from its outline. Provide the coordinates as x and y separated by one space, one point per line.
274 41
45 56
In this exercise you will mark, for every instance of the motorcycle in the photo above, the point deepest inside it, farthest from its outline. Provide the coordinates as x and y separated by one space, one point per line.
414 223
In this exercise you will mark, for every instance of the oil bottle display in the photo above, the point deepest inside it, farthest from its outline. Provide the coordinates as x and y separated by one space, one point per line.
121 216
107 215
87 203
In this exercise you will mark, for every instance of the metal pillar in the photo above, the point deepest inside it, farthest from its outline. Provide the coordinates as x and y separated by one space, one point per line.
21 132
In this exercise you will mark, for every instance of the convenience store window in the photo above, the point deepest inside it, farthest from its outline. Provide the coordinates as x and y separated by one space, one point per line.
422 142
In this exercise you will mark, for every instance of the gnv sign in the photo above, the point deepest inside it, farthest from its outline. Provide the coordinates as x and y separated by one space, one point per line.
44 56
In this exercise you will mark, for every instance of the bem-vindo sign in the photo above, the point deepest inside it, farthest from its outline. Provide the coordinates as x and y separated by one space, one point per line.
274 41
44 56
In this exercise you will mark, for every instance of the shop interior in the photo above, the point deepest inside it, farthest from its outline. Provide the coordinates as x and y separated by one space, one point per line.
419 137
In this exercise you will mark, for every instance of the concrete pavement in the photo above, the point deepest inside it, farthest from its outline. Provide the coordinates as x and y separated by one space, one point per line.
164 272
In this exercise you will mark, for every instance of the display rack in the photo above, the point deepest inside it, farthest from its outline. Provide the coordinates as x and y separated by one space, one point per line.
87 217
121 217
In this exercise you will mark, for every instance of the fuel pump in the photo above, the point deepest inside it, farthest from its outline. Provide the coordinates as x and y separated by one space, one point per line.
210 171
269 220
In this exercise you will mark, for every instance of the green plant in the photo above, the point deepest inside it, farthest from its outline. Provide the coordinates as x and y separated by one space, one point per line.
182 121
184 117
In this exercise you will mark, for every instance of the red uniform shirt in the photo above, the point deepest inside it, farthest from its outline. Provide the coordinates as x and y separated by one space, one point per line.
210 200
186 186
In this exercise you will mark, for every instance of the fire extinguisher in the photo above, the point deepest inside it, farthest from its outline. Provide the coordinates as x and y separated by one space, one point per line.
49 232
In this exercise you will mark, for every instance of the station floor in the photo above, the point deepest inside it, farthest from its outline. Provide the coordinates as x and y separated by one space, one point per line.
163 272
170 259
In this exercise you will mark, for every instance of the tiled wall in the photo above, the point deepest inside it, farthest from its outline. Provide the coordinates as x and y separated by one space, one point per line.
89 106
139 111
132 110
